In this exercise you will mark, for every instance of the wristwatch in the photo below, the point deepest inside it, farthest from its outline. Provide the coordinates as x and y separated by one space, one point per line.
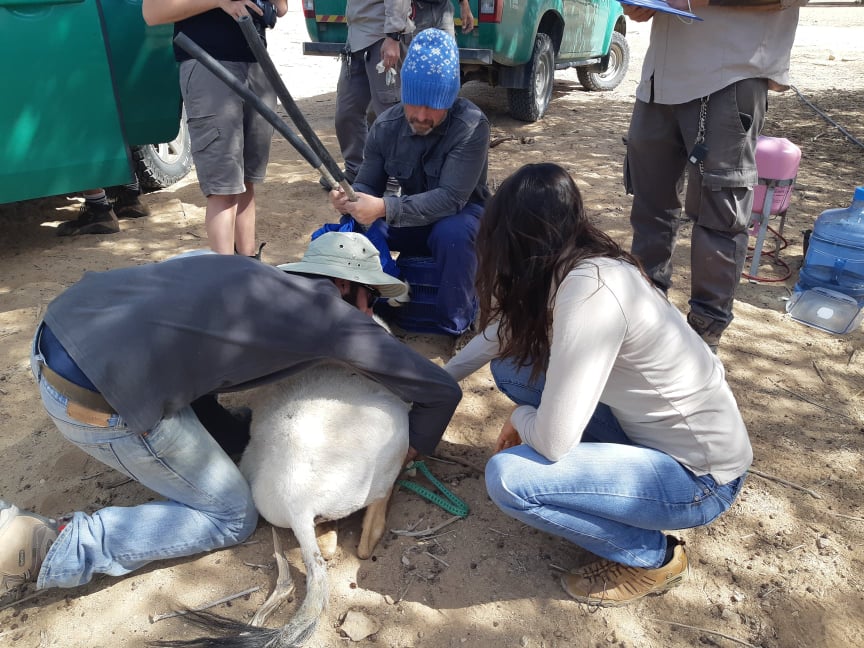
395 36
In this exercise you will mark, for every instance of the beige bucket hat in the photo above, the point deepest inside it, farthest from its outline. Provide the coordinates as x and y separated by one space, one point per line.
347 255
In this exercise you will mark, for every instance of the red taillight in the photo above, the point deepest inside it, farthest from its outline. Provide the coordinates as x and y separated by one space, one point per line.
309 8
490 11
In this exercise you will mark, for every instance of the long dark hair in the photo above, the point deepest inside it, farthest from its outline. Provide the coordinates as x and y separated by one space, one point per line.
533 232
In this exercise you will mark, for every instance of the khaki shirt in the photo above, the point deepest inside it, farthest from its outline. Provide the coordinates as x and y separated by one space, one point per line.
371 20
692 60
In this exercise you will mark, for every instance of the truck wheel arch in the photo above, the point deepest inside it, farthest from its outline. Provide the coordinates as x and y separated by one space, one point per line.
608 75
160 165
530 103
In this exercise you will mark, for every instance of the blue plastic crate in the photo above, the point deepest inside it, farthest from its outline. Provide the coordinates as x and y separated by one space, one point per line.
421 294
423 277
420 314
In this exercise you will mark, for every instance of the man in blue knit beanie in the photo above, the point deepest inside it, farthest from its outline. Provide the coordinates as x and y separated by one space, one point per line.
436 145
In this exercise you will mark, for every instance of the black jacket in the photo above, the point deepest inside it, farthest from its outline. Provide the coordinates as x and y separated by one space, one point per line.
439 173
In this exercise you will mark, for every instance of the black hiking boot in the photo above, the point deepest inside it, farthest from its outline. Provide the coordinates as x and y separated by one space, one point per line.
128 204
93 218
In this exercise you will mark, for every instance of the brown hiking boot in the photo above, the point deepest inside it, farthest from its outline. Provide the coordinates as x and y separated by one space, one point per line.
708 329
610 584
92 219
128 204
25 539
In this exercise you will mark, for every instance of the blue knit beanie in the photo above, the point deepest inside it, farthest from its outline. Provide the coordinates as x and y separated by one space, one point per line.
430 73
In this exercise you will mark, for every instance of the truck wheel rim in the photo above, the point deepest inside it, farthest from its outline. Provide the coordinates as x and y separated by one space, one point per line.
542 82
614 63
172 151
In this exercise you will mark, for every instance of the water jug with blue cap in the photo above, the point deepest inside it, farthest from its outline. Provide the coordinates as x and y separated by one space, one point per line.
830 289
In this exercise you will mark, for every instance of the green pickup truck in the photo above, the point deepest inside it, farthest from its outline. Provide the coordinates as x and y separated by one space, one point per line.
516 44
91 93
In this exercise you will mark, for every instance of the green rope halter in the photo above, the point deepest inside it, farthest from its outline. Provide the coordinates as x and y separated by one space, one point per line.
451 504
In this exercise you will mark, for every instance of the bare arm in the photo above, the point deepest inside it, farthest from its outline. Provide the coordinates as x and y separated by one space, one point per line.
639 14
466 17
365 210
161 12
391 52
508 437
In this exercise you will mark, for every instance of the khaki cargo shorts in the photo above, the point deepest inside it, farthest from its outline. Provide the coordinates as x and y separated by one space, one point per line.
230 140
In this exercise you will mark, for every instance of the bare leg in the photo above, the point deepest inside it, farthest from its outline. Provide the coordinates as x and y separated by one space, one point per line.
374 525
244 224
220 220
284 585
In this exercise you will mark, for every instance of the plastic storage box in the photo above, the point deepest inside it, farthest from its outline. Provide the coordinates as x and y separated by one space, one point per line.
423 277
826 309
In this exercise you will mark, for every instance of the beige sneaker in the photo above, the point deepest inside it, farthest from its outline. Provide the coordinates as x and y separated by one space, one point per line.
25 539
610 584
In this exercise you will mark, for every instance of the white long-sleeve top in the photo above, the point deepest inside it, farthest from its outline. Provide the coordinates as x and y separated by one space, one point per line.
619 341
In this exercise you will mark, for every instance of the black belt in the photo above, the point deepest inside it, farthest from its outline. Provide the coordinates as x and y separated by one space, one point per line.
82 404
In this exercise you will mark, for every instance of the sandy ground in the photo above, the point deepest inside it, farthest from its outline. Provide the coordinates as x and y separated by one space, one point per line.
782 569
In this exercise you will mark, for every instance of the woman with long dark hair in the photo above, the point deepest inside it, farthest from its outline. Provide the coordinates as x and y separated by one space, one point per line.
624 424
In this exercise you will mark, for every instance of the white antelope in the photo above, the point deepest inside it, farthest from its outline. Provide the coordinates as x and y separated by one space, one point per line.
324 444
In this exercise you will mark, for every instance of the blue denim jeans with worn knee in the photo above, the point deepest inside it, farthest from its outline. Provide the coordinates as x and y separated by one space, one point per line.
208 506
607 495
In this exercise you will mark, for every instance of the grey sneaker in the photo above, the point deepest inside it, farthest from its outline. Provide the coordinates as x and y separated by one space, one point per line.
25 539
92 219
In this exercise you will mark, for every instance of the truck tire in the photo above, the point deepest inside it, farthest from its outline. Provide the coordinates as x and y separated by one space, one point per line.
160 165
529 104
619 60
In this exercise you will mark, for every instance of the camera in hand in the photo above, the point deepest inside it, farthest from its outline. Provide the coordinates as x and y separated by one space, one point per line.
268 19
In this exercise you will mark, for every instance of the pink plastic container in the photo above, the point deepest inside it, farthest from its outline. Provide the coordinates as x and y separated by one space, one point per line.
776 159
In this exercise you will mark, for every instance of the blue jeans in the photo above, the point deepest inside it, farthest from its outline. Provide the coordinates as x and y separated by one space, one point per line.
209 503
607 495
450 241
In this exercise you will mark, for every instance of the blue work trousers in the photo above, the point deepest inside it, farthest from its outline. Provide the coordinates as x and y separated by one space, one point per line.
450 241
